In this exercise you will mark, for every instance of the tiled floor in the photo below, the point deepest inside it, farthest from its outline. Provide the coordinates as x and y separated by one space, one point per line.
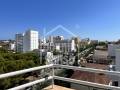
57 88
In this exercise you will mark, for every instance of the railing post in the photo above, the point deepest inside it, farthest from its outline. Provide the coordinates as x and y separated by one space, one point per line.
53 76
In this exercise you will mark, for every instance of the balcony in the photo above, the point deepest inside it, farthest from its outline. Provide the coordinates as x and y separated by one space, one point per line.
54 77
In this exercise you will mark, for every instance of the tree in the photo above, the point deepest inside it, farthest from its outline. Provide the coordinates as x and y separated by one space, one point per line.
1 67
1 58
3 50
4 84
16 61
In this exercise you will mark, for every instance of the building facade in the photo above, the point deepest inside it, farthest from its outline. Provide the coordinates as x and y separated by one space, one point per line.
19 42
112 49
30 41
65 45
12 46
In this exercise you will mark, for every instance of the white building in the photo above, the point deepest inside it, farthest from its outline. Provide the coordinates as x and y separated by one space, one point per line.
58 38
115 80
12 46
19 42
62 38
117 59
65 45
114 51
30 40
73 45
101 57
57 47
50 39
112 48
49 57
45 56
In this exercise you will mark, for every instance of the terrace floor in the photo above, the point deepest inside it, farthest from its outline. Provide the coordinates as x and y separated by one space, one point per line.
56 87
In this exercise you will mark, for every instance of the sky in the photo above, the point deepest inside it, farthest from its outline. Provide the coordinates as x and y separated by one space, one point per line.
96 19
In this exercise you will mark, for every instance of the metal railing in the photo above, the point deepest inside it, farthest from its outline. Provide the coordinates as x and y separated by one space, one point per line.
62 78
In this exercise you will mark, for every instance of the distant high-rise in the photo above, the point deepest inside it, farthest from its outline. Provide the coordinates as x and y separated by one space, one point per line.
30 40
19 42
50 39
58 38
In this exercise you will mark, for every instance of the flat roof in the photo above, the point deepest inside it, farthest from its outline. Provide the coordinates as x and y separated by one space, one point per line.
100 52
92 77
97 66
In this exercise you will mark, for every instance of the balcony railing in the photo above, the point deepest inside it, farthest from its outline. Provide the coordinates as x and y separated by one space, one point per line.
52 77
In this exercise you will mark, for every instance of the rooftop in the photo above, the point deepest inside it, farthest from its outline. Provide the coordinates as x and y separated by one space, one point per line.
92 77
97 66
101 53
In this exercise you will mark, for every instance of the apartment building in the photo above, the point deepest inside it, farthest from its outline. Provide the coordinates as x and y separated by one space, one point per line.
19 42
30 40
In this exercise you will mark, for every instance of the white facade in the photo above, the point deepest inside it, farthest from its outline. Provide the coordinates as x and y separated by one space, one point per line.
112 48
12 46
30 41
50 39
57 47
117 67
62 38
49 58
73 46
117 59
19 42
65 45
